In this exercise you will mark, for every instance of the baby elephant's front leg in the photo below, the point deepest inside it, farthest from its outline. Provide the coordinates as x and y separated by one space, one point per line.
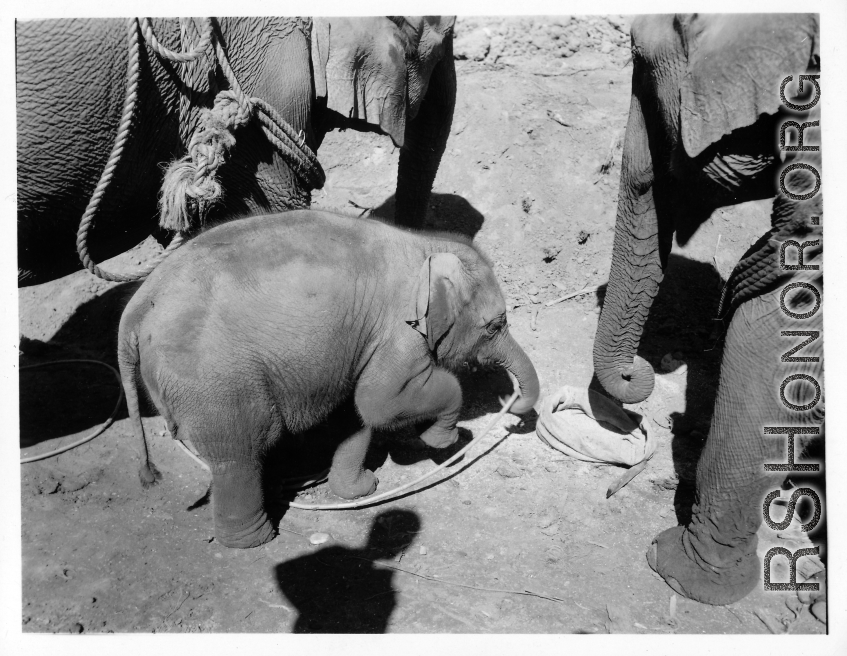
433 392
443 394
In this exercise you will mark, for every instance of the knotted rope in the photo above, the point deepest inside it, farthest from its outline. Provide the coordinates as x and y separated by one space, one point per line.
191 187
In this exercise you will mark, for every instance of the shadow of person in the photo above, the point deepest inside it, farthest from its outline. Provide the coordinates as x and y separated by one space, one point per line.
341 590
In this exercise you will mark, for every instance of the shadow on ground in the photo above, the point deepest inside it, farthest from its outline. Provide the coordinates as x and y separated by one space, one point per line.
447 213
66 398
341 590
683 321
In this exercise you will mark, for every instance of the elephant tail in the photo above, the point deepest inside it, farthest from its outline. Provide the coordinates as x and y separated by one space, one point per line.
128 360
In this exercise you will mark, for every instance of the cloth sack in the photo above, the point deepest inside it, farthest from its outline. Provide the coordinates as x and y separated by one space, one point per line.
589 426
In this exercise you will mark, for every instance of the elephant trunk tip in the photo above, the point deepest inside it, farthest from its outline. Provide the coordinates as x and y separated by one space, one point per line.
630 383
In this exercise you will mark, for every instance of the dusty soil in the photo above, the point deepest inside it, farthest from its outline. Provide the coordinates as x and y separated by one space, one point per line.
531 171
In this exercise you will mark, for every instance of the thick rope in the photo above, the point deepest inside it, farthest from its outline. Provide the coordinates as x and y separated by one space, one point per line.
190 187
108 171
181 57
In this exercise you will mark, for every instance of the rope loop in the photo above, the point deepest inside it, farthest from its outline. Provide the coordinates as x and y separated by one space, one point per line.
182 57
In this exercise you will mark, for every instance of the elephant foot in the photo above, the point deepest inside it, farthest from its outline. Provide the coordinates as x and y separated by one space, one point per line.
246 534
439 438
240 519
672 558
361 486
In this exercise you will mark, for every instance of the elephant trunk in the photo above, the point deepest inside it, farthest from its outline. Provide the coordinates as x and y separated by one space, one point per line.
425 141
635 273
513 359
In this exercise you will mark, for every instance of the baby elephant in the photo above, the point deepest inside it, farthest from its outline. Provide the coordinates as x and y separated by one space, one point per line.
261 327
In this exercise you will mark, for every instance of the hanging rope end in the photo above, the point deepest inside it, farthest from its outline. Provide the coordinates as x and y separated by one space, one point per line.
177 209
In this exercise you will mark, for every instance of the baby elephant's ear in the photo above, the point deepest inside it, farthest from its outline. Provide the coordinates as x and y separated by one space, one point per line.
435 296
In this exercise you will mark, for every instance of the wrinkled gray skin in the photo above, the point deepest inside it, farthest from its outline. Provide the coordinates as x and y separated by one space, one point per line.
393 75
261 327
702 133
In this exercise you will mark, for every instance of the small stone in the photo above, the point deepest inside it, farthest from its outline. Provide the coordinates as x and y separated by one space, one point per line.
532 291
76 627
472 45
550 252
219 555
318 538
422 551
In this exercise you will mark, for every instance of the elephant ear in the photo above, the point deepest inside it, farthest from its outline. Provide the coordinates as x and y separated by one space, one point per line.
736 63
377 69
436 297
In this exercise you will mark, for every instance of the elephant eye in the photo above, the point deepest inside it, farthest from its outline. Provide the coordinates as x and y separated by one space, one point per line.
495 325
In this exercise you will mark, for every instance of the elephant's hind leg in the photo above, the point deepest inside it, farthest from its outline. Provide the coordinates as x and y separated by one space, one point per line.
240 518
713 559
231 442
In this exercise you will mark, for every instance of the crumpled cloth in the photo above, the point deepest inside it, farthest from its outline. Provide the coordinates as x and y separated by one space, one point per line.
589 426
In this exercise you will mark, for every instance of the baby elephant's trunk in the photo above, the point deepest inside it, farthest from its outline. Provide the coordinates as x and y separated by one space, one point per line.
128 362
513 358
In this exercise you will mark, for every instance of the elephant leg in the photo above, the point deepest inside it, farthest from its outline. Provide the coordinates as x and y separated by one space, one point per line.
425 142
713 560
238 503
399 400
348 478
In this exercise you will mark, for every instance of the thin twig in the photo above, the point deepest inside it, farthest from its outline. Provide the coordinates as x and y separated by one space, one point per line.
736 615
527 593
556 117
279 528
561 73
581 292
364 209
715 256
187 595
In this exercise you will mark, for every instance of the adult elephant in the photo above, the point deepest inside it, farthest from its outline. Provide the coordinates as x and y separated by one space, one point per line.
703 133
391 75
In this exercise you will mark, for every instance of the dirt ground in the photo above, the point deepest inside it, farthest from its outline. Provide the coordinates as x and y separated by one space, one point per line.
516 537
